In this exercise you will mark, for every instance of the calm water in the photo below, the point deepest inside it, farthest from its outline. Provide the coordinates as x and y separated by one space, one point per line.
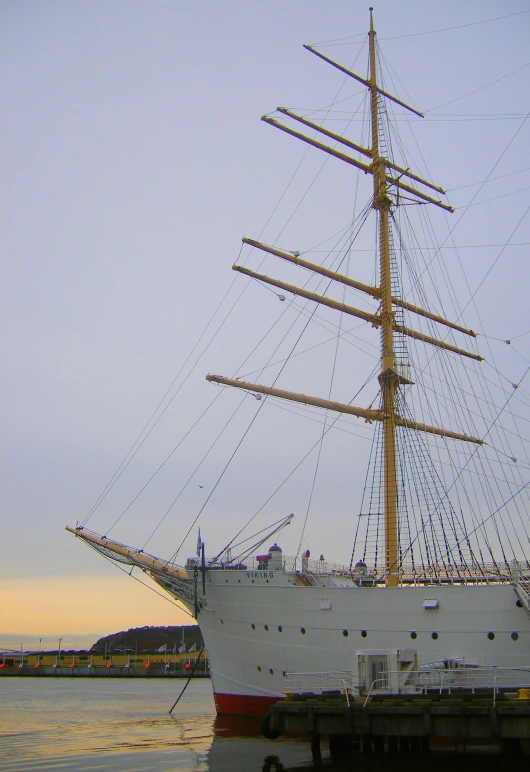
109 724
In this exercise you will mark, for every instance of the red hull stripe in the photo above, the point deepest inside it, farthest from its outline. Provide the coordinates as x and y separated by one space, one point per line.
243 704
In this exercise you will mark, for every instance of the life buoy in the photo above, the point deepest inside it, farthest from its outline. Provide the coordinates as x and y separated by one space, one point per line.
266 731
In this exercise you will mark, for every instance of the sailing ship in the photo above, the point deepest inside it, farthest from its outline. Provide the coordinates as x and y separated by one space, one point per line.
449 580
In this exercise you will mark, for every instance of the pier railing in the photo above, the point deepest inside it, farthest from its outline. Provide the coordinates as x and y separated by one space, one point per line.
326 682
473 680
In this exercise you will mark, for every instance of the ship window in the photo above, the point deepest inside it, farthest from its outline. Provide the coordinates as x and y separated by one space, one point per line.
434 636
302 630
280 628
430 603
519 603
364 633
414 635
491 636
284 673
266 627
239 581
259 669
253 626
271 671
222 622
345 633
514 636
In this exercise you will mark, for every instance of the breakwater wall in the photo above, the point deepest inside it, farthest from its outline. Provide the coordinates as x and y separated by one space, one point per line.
99 671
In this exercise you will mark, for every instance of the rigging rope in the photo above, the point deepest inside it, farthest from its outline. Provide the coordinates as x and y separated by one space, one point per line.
425 32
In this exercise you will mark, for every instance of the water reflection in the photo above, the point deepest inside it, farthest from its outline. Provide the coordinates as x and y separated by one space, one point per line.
81 726
238 745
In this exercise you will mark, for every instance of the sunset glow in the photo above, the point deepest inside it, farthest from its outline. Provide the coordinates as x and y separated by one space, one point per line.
82 605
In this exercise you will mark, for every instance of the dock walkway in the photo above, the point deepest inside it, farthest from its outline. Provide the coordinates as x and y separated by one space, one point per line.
403 722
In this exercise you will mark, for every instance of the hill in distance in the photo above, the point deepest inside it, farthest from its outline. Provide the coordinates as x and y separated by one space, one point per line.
150 639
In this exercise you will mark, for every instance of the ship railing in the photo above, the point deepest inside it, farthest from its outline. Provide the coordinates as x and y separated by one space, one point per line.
486 573
286 563
323 683
253 563
369 575
466 679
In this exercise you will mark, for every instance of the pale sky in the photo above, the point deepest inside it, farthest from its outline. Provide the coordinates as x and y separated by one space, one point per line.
133 161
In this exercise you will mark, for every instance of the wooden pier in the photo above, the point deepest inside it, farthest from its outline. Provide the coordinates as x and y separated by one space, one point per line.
404 723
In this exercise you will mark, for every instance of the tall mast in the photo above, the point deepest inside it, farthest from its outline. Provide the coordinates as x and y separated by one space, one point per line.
388 180
388 377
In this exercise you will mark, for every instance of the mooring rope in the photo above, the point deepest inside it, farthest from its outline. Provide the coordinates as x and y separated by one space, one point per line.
188 681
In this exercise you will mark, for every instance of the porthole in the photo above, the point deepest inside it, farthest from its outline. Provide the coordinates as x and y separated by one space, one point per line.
253 581
414 635
267 581
253 626
280 628
222 622
364 633
271 671
434 636
519 603
284 673
491 636
514 636
345 633
259 669
302 630
239 581
266 627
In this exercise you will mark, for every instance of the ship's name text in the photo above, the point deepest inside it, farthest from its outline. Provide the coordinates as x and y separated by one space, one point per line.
260 574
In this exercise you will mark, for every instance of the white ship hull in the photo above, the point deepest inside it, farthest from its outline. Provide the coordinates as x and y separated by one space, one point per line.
253 626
